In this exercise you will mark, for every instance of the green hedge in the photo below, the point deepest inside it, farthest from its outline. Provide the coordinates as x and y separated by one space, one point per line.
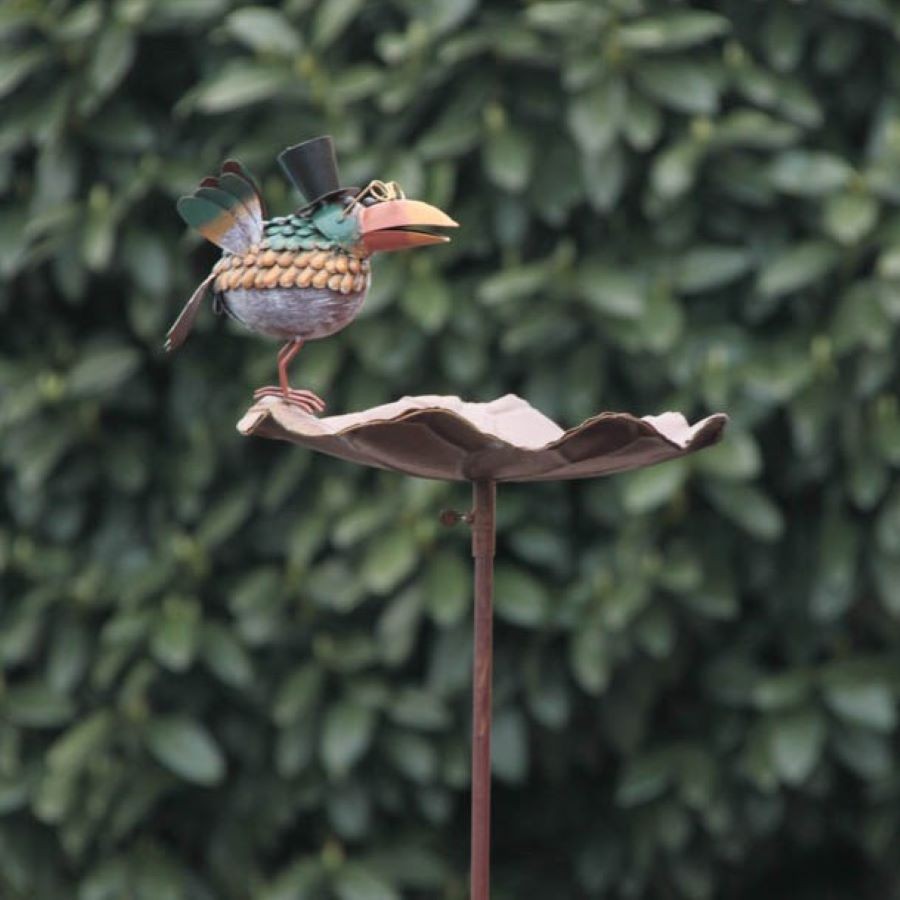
232 670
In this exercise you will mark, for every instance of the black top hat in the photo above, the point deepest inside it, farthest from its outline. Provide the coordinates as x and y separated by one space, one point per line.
312 168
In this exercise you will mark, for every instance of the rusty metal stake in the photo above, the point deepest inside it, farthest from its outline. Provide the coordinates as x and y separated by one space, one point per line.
482 520
483 542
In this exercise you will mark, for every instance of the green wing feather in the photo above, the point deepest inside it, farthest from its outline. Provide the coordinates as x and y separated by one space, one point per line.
215 223
233 167
243 218
229 214
244 191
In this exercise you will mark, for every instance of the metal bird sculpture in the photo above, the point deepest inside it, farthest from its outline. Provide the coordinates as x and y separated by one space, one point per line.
304 276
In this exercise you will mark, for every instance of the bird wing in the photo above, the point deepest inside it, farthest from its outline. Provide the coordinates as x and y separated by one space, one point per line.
233 167
182 326
226 210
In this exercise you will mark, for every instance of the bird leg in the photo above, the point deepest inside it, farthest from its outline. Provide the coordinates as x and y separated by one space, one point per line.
307 401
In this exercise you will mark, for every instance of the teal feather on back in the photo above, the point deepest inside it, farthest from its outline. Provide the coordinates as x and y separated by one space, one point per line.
295 233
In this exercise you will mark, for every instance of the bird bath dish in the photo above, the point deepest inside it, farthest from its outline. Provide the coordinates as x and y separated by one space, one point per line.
447 439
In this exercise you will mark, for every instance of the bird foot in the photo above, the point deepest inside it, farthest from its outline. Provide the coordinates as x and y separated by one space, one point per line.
306 400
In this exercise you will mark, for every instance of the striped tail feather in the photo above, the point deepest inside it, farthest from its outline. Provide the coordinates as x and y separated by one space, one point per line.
226 210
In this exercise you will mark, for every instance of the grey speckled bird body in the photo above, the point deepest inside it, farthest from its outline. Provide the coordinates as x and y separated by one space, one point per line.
292 313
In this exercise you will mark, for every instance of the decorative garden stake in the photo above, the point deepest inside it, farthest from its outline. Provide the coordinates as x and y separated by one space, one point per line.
484 443
305 276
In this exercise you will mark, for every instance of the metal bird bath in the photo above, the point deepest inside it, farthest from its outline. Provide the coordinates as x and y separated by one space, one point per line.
483 443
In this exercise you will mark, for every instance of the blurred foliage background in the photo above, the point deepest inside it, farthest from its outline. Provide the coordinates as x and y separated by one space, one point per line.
233 670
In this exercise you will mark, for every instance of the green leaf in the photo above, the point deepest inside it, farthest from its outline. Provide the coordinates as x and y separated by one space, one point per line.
887 525
420 709
784 36
605 177
68 656
346 736
866 753
754 128
509 746
595 116
80 743
187 749
113 57
237 85
782 691
748 508
796 743
715 598
102 369
518 597
356 881
224 517
549 696
174 638
672 31
674 170
332 18
736 458
643 122
656 632
869 704
298 695
706 267
647 489
398 626
428 302
590 658
514 283
615 292
509 158
16 67
36 705
663 320
644 778
687 87
390 559
849 217
809 173
184 13
264 30
413 755
225 655
886 571
835 584
796 267
447 588
350 810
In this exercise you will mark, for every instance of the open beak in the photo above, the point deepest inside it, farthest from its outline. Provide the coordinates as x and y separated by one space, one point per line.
399 224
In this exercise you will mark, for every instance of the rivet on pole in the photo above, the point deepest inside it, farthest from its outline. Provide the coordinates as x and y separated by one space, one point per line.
450 517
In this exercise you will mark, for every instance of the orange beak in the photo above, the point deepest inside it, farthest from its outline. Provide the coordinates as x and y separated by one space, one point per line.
400 224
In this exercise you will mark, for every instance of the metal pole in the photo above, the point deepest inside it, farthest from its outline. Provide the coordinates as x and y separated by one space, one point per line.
483 543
